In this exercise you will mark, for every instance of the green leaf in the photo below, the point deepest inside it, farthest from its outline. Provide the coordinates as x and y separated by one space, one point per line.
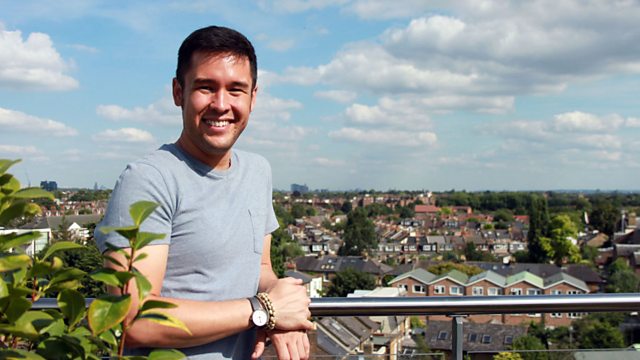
11 354
142 256
141 210
28 324
33 193
11 186
13 262
60 245
113 260
157 304
109 338
143 284
13 240
66 279
57 327
4 290
112 277
144 238
18 306
5 164
164 319
15 211
72 305
166 354
106 312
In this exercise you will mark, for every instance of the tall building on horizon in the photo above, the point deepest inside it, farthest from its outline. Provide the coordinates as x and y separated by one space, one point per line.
49 185
299 188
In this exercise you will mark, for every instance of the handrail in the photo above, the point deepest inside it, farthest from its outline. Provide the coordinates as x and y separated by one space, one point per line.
456 305
467 305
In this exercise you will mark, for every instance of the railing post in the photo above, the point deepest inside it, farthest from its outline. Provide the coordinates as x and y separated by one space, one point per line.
457 337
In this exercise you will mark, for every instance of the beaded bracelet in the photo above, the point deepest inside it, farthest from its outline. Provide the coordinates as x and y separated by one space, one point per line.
268 305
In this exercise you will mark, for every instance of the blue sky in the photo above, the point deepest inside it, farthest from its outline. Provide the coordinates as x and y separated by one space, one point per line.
413 94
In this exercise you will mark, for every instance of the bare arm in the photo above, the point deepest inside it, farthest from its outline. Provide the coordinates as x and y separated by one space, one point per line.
210 321
207 321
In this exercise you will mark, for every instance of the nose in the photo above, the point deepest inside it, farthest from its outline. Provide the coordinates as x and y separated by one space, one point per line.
219 101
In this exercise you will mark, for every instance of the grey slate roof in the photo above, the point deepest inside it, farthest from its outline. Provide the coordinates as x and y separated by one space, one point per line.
541 270
563 277
54 222
490 276
419 274
331 264
498 333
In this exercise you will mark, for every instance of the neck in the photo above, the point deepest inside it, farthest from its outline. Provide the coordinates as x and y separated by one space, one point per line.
215 161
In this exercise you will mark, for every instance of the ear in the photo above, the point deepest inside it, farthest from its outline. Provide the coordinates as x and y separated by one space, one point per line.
177 92
254 92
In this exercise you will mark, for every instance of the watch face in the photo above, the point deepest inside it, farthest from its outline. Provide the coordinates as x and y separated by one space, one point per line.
259 318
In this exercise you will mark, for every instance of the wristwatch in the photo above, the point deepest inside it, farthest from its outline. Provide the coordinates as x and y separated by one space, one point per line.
259 317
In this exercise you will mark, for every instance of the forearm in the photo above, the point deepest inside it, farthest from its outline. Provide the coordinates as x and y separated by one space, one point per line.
207 321
268 278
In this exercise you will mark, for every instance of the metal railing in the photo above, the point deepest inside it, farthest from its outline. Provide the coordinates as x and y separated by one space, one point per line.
458 306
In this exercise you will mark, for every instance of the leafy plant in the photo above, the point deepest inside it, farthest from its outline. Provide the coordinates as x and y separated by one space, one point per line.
70 331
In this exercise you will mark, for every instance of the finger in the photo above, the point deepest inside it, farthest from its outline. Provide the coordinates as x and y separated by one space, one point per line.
306 345
281 348
300 345
258 349
307 325
293 348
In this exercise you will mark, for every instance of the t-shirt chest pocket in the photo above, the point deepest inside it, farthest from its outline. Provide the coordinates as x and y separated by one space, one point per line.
258 224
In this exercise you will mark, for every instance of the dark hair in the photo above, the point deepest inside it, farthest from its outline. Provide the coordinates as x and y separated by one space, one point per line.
216 39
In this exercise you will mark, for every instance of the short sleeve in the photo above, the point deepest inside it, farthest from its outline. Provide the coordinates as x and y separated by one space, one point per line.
272 222
139 181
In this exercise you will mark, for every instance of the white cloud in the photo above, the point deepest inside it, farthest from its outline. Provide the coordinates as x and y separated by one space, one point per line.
124 135
386 137
270 107
322 161
340 96
577 121
161 112
281 45
84 48
32 63
633 122
12 120
19 150
296 6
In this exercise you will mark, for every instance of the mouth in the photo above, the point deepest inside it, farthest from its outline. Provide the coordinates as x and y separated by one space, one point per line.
217 123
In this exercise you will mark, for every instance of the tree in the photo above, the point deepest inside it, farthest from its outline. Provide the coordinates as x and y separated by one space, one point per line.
445 267
471 253
530 342
594 333
349 280
562 229
604 217
283 249
507 356
346 207
359 234
622 278
539 245
87 259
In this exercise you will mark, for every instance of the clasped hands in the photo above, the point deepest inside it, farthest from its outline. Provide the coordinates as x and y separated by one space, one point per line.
289 338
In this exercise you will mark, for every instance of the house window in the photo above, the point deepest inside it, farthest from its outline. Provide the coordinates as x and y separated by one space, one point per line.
455 290
473 337
573 292
403 286
438 289
574 315
508 340
556 315
442 335
418 289
478 291
534 291
556 292
486 339
516 291
493 291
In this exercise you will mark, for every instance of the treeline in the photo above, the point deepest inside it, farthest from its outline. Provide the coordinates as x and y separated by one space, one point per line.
519 202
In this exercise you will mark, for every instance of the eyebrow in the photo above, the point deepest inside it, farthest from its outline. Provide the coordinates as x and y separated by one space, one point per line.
241 84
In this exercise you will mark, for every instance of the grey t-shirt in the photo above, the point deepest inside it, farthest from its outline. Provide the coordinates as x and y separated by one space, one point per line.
215 223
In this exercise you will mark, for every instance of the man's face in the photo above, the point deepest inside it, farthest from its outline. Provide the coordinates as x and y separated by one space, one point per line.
216 100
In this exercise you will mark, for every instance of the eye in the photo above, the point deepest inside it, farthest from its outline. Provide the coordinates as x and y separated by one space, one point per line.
205 89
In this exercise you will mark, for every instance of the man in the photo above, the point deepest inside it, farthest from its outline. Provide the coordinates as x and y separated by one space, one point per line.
215 207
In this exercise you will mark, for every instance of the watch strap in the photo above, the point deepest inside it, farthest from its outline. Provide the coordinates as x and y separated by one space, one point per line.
255 303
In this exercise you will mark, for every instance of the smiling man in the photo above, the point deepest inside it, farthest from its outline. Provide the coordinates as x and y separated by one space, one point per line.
216 209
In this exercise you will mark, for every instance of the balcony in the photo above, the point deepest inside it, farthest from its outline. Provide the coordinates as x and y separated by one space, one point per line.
459 307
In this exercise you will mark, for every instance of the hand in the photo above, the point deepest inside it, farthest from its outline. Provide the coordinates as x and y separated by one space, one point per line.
289 345
291 304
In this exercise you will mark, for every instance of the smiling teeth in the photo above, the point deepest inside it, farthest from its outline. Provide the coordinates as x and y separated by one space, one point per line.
217 123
